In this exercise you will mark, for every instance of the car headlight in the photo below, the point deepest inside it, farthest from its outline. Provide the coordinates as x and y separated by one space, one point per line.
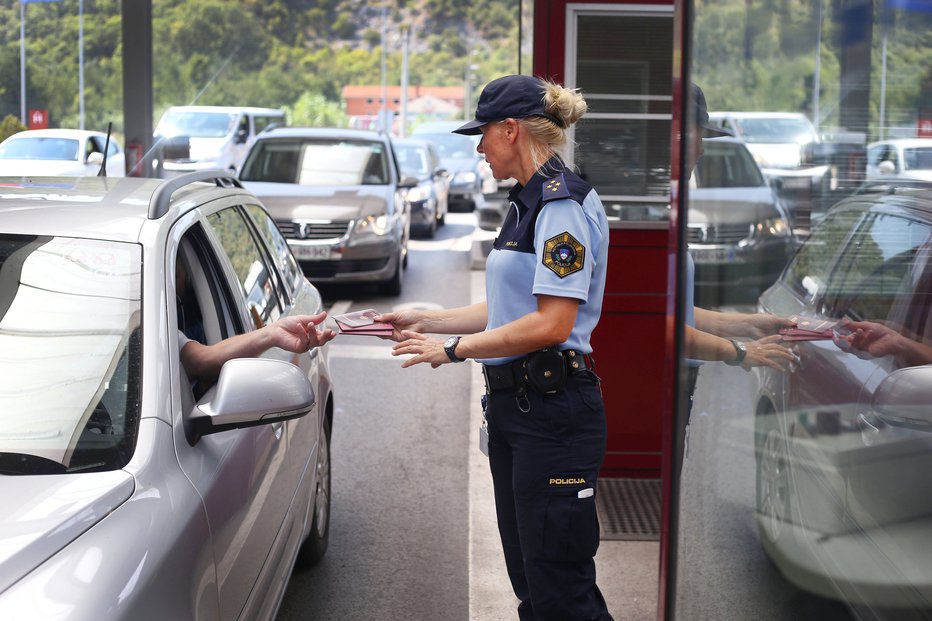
417 194
773 227
374 225
465 177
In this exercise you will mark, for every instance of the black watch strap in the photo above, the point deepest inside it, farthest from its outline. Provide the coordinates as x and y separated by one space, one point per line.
449 346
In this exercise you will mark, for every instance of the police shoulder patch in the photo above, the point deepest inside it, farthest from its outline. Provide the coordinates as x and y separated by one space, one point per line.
555 189
563 255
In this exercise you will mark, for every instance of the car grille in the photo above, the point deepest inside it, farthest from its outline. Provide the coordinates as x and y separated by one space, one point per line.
312 230
718 233
332 269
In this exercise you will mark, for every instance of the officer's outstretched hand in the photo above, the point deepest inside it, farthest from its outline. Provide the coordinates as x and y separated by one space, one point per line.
424 348
404 320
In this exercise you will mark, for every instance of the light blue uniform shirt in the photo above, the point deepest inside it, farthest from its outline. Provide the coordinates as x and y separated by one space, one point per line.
554 241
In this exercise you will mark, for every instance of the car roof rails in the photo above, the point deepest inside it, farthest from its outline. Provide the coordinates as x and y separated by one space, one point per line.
161 198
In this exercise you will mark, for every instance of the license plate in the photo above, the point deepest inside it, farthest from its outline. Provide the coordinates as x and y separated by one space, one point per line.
311 253
713 255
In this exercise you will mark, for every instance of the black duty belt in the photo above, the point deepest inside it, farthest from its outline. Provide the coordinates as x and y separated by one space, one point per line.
514 373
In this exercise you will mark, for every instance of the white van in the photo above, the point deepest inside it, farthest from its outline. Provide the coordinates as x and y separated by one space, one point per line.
211 136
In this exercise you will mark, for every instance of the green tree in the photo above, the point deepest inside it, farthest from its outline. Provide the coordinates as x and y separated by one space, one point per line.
314 110
9 126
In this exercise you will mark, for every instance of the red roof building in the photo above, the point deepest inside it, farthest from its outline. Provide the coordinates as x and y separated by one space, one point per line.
367 100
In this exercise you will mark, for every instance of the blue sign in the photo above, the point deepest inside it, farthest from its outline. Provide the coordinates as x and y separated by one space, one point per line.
910 5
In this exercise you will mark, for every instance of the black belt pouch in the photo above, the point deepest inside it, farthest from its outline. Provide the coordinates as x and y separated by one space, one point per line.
546 370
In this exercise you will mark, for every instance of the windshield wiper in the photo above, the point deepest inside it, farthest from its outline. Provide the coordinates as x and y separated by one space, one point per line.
24 463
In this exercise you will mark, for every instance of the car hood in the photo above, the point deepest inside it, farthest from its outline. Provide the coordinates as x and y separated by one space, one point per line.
731 205
919 175
297 202
775 155
44 513
206 149
44 168
458 164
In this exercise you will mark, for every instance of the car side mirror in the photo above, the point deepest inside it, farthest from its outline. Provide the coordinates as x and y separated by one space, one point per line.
886 167
777 184
407 182
95 159
442 172
175 147
251 392
903 397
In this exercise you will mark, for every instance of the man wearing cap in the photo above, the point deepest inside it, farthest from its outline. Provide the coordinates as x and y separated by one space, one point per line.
545 278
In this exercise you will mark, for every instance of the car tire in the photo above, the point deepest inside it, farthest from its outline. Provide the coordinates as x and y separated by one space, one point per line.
431 229
315 545
773 476
392 286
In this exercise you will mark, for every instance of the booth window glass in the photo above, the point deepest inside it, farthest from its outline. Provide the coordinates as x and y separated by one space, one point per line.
621 60
804 488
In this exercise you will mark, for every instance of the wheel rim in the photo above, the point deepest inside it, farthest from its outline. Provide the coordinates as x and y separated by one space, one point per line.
774 484
322 514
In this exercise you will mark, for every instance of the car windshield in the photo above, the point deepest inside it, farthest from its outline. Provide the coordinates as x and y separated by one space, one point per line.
776 130
727 165
196 124
319 162
412 159
36 148
452 145
919 158
69 373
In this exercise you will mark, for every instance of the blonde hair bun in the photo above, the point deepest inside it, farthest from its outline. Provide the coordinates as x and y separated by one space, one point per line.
566 104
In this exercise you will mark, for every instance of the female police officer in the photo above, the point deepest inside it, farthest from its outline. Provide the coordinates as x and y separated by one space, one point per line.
544 284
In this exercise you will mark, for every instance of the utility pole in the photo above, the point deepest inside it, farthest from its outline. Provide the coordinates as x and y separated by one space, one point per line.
405 35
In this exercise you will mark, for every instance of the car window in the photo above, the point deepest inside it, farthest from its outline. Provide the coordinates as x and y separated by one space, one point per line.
318 162
727 165
71 343
452 145
876 270
412 159
196 124
261 122
776 130
64 149
808 273
919 158
873 154
256 277
285 261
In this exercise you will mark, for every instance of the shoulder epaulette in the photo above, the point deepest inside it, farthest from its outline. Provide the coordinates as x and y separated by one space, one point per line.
555 189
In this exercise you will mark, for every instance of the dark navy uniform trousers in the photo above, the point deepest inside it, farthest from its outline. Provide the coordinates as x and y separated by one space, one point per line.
544 462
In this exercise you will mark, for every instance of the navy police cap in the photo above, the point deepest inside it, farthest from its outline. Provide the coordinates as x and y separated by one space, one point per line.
509 97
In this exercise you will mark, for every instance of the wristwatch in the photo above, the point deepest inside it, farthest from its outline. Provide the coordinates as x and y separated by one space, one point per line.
741 350
449 346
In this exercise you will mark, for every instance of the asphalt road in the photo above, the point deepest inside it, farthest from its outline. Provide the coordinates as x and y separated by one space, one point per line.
399 523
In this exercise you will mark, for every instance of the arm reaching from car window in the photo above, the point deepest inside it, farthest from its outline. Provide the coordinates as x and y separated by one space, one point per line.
877 340
297 334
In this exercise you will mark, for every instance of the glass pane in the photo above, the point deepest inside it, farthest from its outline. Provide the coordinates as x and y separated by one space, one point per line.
804 487
255 278
70 364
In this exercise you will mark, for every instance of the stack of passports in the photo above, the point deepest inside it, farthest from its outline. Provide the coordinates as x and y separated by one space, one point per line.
363 322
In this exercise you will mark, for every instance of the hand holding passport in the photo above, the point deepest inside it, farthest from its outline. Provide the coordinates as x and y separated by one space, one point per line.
363 323
809 329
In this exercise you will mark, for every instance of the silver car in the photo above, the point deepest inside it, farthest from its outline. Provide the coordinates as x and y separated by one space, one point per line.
738 232
338 197
129 493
